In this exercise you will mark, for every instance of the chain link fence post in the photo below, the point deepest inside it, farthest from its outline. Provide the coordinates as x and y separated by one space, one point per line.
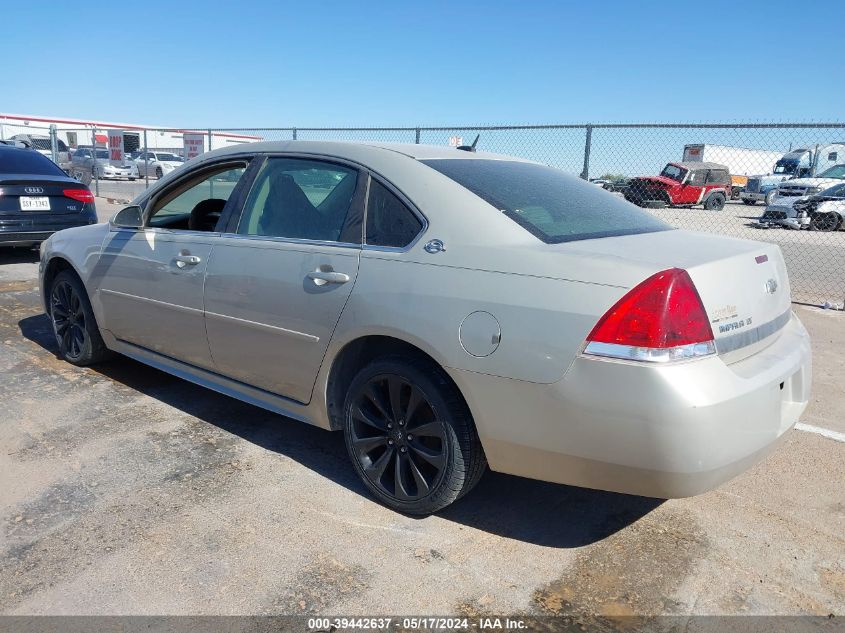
294 134
94 170
209 140
54 143
146 163
417 141
588 142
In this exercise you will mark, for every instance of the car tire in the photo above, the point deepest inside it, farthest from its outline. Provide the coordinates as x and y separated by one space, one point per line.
829 221
410 435
159 173
770 196
715 202
73 321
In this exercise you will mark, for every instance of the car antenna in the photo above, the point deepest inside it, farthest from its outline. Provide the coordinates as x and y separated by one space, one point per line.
470 148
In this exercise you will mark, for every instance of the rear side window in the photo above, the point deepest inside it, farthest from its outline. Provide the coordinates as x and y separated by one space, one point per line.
552 205
302 199
27 161
389 221
717 176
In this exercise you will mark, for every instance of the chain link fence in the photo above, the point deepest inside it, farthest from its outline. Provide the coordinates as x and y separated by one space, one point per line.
774 182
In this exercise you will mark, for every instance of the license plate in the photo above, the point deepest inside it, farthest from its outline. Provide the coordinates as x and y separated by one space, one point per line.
39 203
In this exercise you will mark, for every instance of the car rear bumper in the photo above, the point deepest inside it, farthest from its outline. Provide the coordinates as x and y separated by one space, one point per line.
670 431
19 233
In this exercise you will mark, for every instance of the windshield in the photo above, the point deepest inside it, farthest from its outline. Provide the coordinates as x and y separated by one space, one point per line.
835 190
673 172
102 153
837 171
786 167
552 205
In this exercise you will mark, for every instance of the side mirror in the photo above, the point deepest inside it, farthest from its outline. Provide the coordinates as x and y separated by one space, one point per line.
128 218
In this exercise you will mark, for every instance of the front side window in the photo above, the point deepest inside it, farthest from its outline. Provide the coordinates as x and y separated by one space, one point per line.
302 199
553 206
389 221
697 178
196 205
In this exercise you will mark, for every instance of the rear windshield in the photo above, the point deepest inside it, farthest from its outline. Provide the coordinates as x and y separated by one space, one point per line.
554 206
27 161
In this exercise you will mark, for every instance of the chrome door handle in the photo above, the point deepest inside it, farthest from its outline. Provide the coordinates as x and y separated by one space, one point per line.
322 277
186 260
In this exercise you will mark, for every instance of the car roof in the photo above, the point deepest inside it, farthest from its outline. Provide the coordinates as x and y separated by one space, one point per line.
700 165
358 150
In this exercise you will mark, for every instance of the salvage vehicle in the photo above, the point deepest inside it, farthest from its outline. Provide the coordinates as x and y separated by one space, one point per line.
683 185
37 198
819 212
740 161
799 163
446 310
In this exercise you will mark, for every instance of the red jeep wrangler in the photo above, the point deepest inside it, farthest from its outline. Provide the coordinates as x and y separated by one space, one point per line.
683 185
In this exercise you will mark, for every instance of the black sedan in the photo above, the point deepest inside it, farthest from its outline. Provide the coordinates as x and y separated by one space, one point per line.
37 198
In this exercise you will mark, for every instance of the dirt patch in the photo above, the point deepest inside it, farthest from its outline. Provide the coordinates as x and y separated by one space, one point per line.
321 584
632 573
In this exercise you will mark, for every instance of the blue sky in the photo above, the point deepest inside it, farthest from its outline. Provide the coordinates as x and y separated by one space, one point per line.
257 63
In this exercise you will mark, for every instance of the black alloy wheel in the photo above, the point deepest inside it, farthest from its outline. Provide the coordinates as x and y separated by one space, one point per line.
397 437
77 334
828 221
68 320
410 435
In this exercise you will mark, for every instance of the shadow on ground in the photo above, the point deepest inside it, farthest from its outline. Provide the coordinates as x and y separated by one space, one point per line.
523 509
18 255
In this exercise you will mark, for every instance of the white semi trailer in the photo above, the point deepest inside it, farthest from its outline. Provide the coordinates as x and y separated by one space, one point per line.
742 162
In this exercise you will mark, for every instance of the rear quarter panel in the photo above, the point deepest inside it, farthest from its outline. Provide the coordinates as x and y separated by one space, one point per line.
543 321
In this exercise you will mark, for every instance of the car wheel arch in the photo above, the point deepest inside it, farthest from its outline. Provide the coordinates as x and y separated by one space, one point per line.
356 354
52 268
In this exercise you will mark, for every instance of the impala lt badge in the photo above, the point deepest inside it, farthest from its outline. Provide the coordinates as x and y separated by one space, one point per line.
771 286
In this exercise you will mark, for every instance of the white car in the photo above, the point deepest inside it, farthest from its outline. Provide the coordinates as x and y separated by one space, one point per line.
797 191
820 212
157 164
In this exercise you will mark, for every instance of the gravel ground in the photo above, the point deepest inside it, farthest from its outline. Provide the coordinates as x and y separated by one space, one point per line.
127 491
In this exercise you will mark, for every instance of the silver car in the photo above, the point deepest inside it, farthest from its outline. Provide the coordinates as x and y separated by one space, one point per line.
157 163
88 163
447 310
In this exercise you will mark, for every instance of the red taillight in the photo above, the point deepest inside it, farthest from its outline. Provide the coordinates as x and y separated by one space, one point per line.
659 320
82 195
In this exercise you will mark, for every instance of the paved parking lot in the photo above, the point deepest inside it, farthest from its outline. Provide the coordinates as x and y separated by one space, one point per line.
125 490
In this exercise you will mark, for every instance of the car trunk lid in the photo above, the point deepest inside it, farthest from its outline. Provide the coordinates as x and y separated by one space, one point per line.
743 284
35 196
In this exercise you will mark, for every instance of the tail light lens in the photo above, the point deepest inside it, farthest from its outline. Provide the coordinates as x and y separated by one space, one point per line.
82 195
660 320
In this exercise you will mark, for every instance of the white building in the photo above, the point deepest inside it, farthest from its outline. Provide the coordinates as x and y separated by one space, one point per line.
77 132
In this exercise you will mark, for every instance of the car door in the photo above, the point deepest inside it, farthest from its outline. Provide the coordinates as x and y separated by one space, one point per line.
693 187
278 281
151 280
